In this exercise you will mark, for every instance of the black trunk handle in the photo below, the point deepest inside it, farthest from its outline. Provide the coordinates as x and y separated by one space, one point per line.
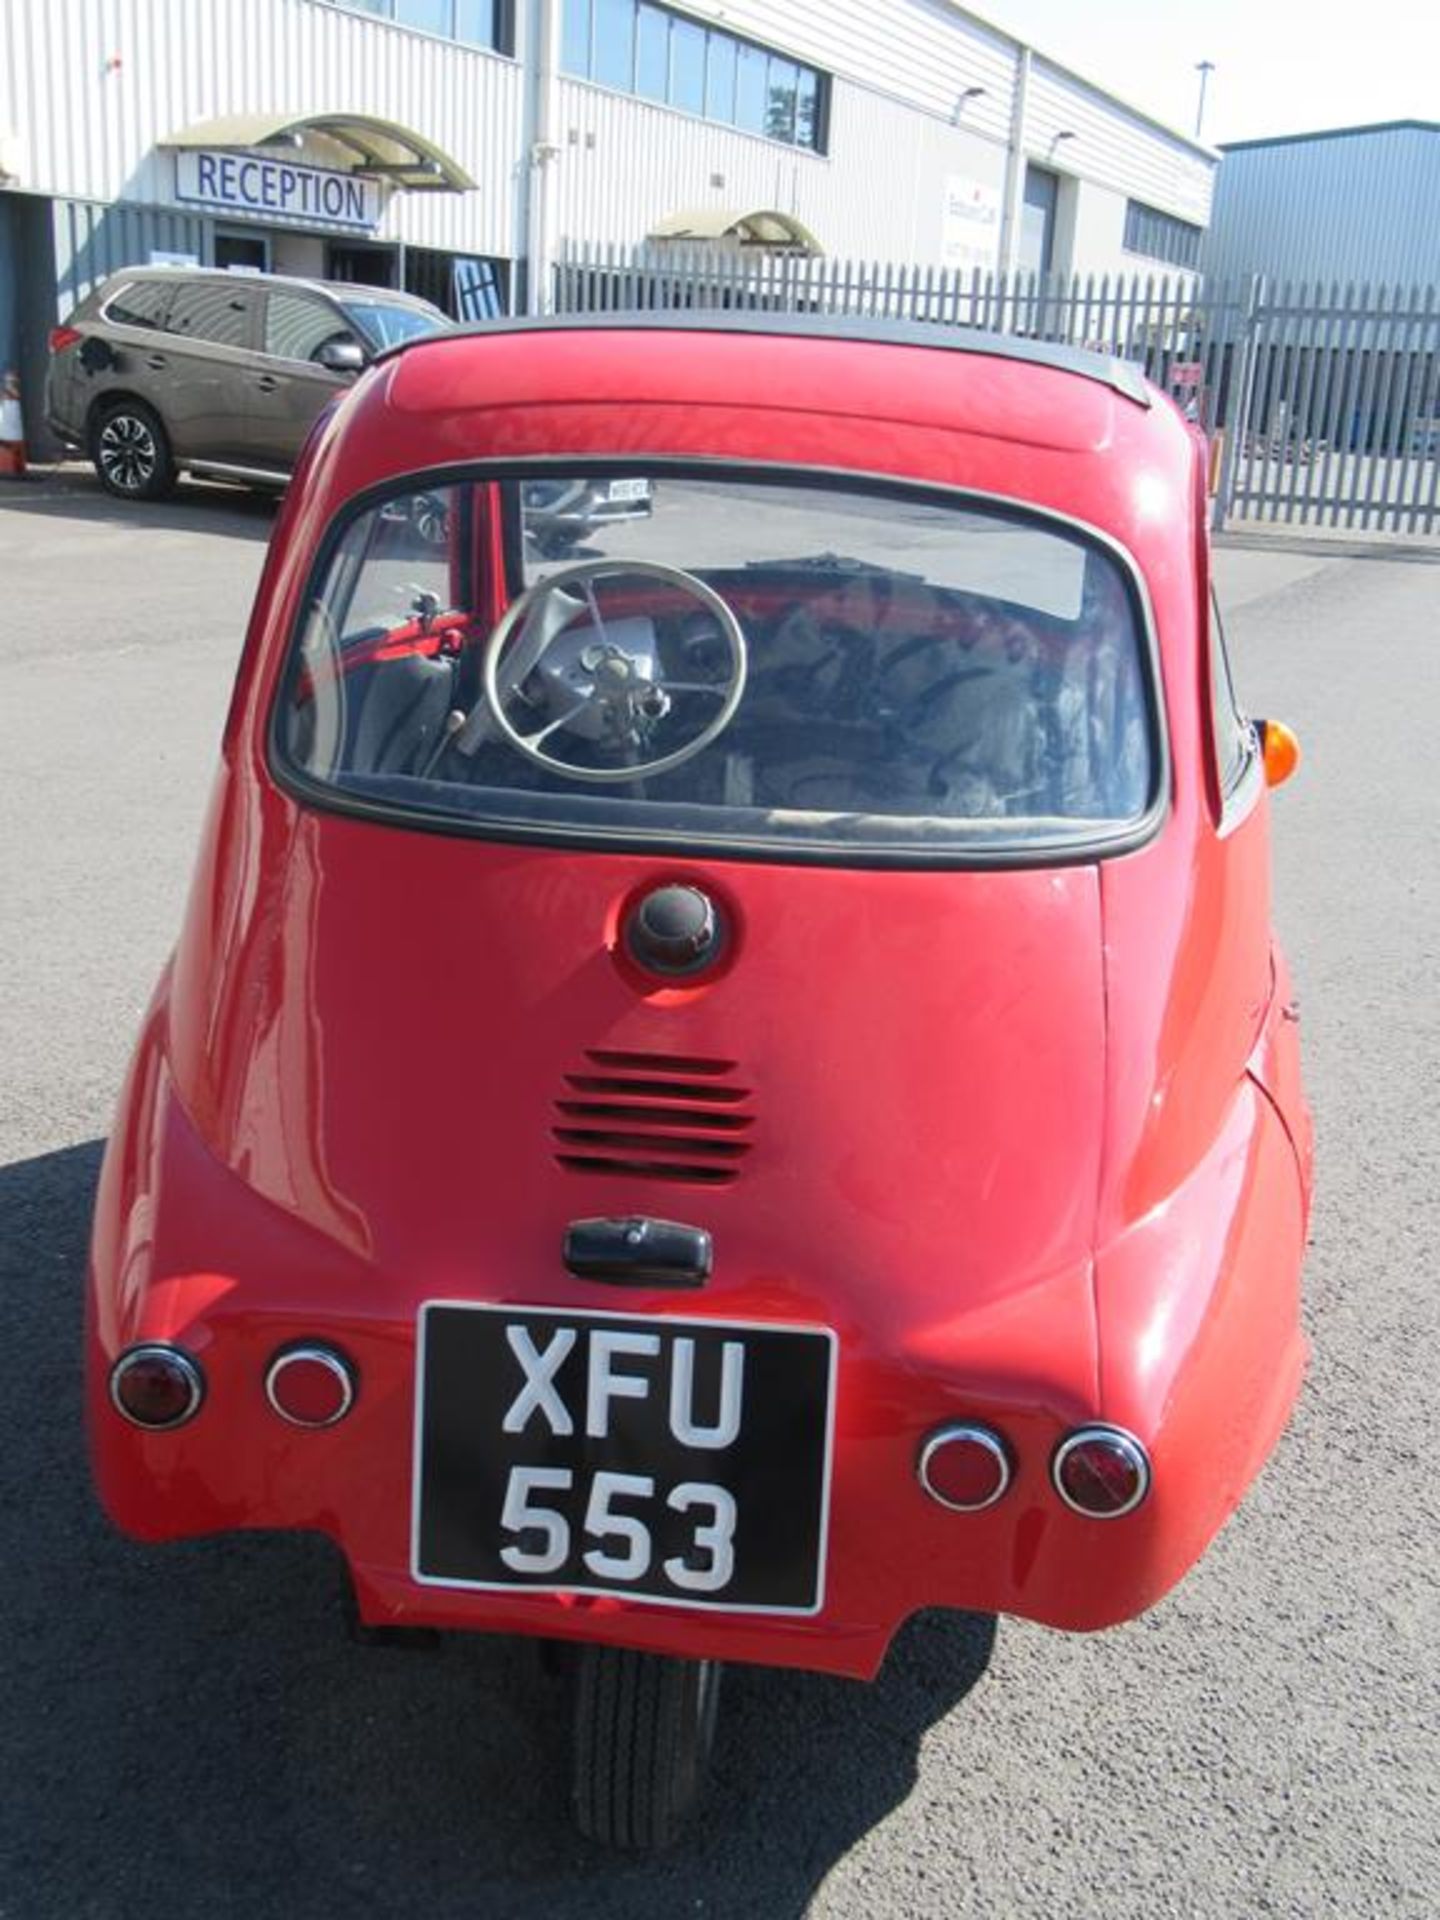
637 1252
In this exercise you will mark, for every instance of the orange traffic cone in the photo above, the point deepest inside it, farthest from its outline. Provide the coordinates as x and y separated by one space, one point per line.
12 429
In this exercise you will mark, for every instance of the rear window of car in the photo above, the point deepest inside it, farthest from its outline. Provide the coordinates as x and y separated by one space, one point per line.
138 303
728 662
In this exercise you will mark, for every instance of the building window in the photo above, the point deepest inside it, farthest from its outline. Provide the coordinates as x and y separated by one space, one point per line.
638 47
1160 236
474 23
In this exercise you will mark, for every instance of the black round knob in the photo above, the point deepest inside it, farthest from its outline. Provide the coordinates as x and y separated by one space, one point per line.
675 930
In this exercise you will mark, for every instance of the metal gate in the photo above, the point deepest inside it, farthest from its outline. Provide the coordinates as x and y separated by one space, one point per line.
1338 423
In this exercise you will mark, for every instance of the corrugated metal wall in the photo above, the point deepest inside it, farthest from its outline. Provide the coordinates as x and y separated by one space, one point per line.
1127 155
89 87
9 282
879 190
85 127
92 242
623 165
926 54
1359 207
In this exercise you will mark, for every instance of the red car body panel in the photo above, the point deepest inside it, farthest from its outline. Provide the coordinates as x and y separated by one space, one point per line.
1030 1140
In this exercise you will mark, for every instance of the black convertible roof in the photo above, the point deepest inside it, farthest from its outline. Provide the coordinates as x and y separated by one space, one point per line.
1119 375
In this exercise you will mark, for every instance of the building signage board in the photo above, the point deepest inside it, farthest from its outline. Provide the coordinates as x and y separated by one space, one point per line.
275 189
970 224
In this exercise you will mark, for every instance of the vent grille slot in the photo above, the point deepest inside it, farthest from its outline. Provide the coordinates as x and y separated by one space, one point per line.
653 1116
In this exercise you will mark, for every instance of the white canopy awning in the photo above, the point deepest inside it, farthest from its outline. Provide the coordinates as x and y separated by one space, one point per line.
763 228
361 143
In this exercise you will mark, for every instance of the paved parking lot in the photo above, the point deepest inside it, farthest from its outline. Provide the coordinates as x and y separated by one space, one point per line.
187 1728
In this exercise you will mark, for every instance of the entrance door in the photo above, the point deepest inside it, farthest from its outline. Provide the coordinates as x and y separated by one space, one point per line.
1037 220
365 266
250 250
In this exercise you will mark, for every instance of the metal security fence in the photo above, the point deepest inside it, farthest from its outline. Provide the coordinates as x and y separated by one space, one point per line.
1323 406
1339 410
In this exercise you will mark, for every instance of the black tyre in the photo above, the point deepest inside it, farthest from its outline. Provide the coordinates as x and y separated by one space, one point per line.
131 451
644 1727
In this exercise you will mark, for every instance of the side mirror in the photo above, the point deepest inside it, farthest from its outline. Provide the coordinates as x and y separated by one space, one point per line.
342 356
1279 749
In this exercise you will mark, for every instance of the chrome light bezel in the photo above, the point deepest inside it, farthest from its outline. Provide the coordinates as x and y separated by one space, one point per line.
1125 1443
982 1436
326 1357
158 1350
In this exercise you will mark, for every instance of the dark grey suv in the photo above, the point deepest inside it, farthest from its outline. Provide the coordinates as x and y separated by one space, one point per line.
171 368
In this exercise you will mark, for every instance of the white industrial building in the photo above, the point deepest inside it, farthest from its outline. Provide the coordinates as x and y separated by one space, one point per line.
456 147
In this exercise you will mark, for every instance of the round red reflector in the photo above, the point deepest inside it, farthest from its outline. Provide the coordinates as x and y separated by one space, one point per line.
964 1468
310 1386
1101 1472
156 1386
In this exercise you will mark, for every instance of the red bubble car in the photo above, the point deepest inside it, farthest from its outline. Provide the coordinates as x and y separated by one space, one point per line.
733 1083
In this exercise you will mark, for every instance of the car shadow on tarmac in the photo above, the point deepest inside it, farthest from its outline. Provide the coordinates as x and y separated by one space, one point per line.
188 1728
73 493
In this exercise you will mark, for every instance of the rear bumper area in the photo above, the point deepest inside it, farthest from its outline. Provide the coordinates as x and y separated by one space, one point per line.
1185 1332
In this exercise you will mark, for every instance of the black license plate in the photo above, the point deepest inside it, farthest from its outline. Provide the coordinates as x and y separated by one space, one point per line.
684 1461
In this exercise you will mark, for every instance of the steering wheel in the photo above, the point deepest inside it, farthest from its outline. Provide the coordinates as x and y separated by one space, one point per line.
605 683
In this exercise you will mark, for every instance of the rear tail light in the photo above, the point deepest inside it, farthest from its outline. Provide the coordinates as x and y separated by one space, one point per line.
156 1386
1102 1472
63 337
965 1468
310 1386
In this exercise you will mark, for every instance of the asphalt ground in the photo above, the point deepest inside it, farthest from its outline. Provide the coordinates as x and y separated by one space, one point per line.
187 1730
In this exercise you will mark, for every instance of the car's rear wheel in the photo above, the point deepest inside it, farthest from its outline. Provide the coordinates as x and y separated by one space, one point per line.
131 452
644 1728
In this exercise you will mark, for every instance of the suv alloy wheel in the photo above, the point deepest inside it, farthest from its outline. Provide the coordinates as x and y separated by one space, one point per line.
131 452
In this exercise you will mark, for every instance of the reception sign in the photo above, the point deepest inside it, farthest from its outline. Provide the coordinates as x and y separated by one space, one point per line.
253 183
